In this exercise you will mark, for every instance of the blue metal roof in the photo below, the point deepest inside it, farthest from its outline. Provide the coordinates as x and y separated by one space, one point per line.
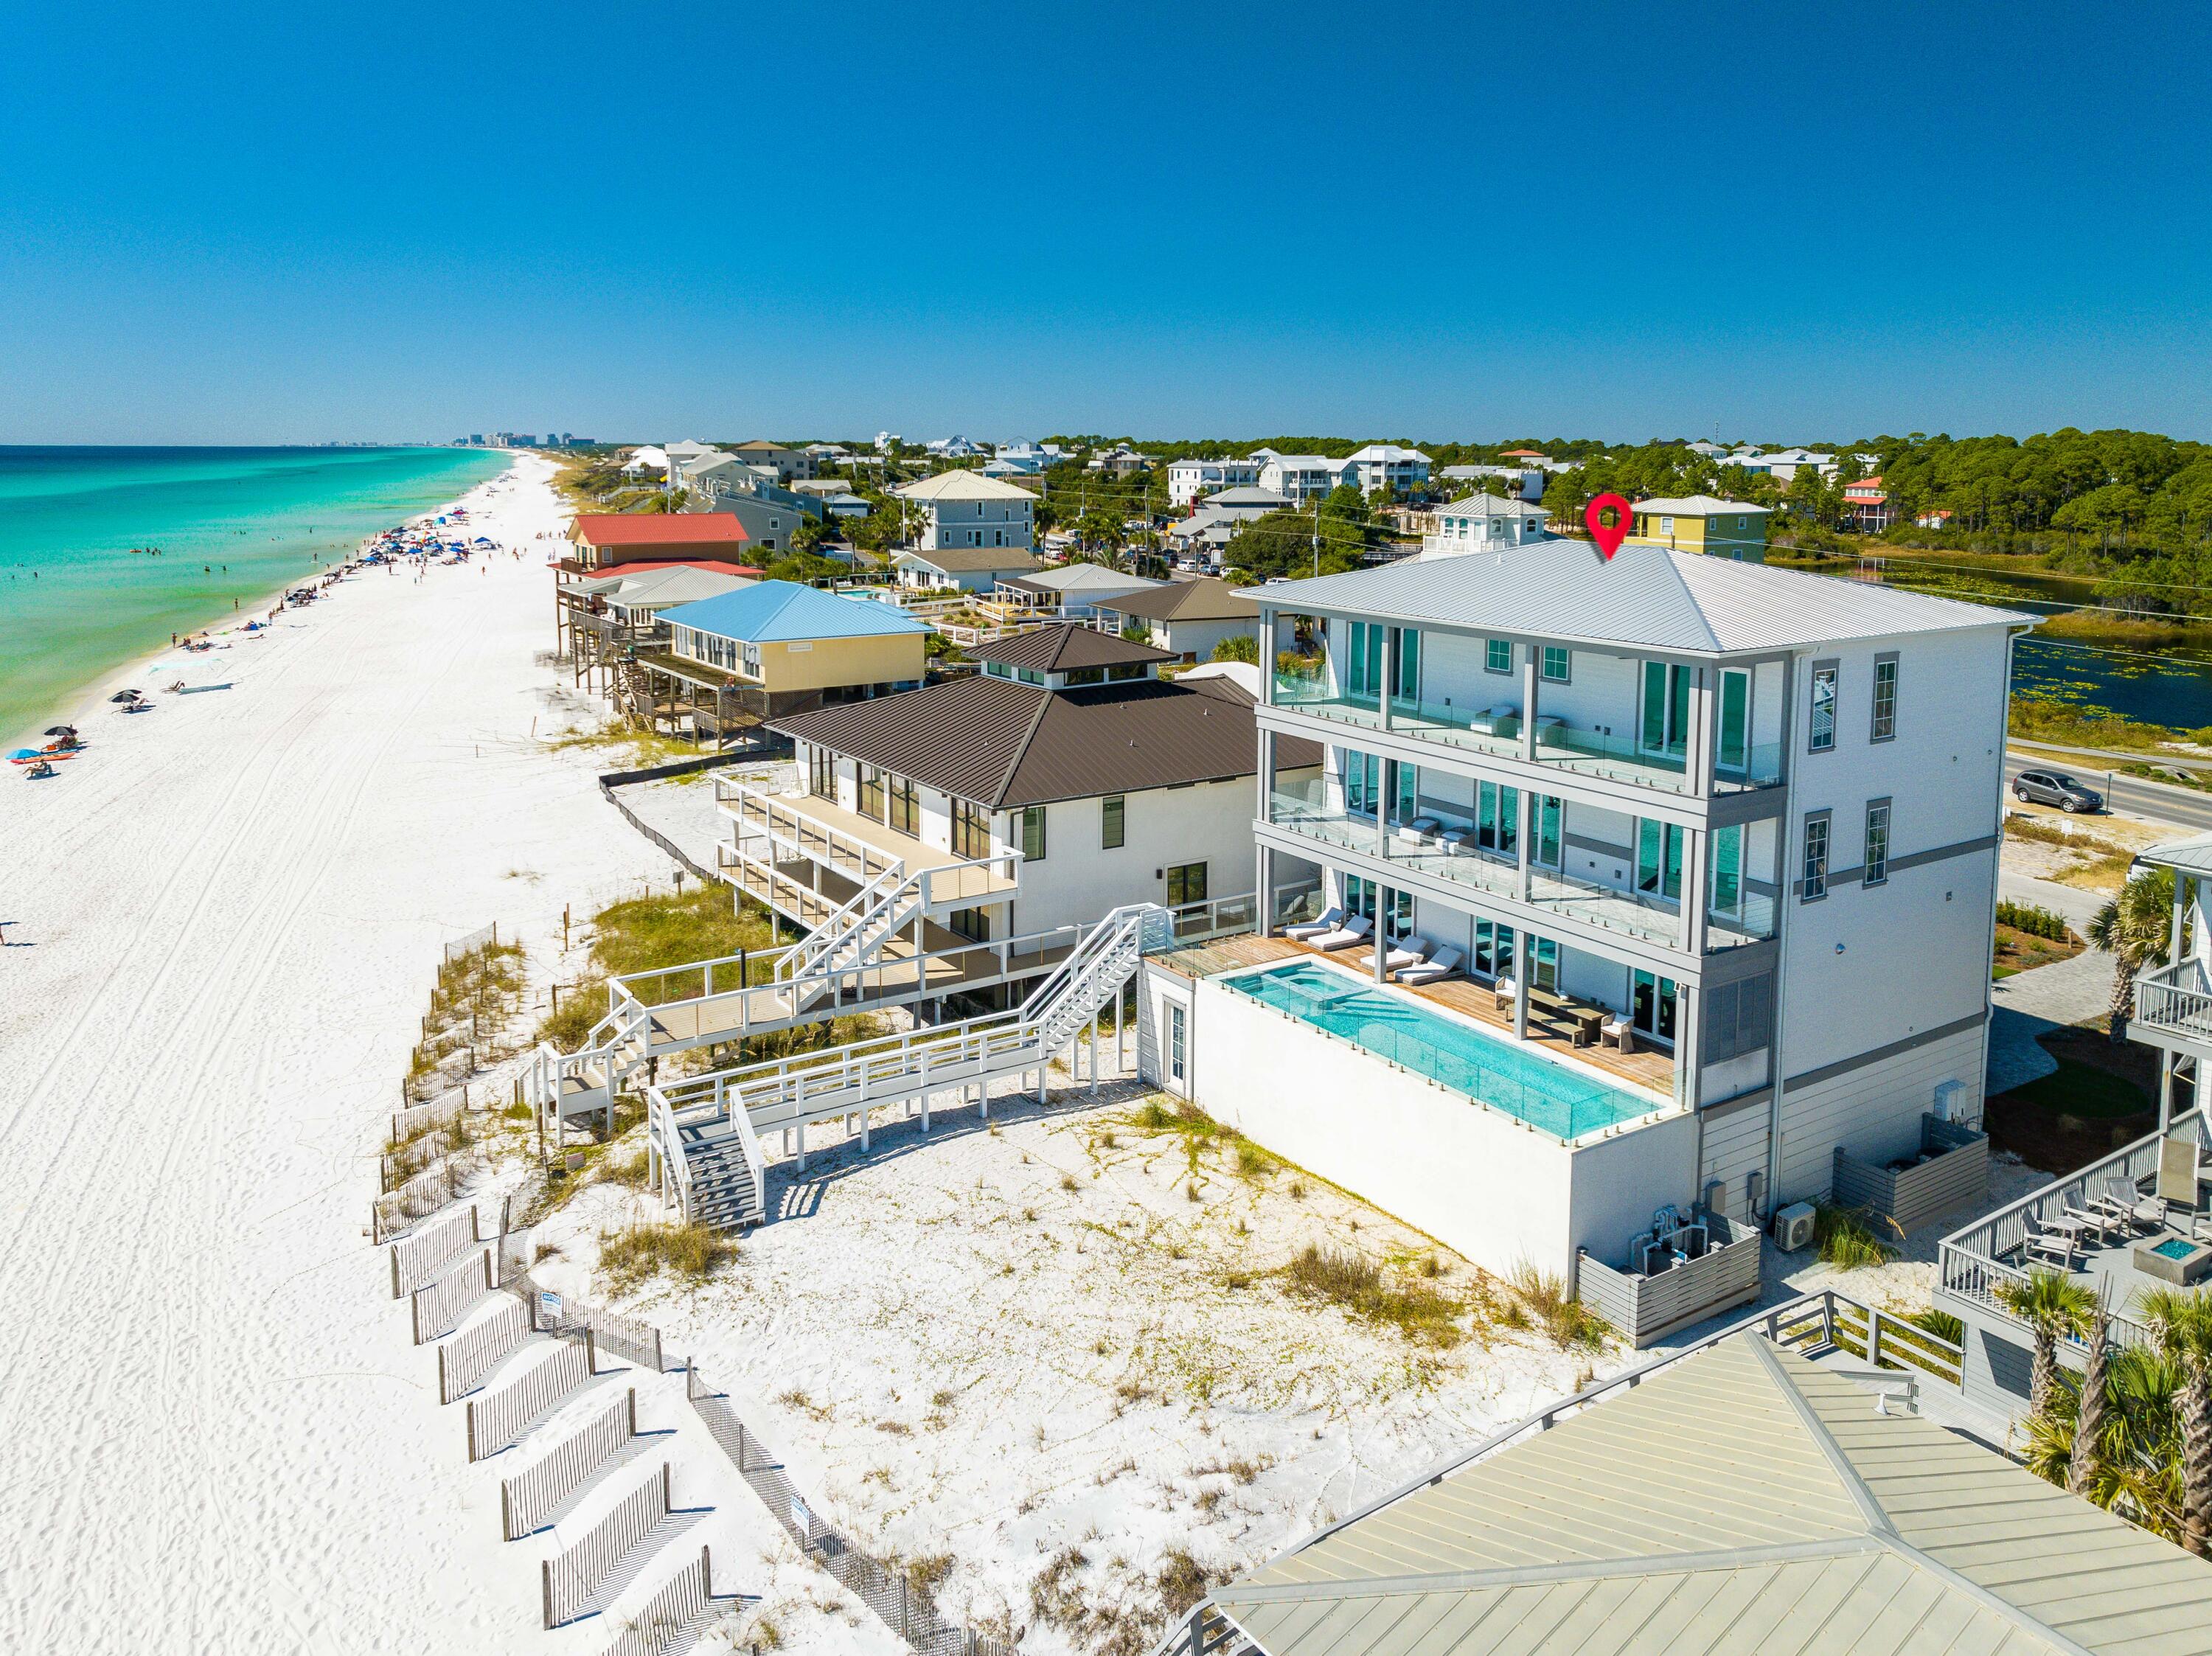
774 611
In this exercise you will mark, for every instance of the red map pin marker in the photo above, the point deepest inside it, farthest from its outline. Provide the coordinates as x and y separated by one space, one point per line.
1608 537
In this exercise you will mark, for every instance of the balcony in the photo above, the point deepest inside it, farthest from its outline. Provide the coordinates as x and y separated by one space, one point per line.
2175 1003
1451 851
1498 731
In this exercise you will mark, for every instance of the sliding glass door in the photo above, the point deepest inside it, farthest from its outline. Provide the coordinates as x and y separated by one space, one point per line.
1659 859
1652 1005
1664 726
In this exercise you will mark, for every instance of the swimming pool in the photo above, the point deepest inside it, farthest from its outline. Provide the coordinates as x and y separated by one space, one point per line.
1453 1054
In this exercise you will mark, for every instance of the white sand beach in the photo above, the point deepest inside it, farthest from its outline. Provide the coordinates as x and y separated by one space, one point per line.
222 922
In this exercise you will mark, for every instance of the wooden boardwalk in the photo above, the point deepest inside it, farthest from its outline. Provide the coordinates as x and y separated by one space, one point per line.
1650 1068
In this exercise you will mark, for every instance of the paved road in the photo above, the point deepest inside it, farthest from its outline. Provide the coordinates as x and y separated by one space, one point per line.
2157 801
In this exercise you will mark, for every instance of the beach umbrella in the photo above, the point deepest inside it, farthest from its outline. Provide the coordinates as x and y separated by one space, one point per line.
124 695
26 753
61 730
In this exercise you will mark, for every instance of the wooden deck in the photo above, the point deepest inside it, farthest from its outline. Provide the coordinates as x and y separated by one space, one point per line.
1648 1068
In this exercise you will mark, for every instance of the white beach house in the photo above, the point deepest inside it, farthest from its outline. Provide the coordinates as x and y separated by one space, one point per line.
1706 853
966 510
1188 479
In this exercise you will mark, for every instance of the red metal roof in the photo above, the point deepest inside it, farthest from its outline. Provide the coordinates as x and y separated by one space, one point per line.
658 529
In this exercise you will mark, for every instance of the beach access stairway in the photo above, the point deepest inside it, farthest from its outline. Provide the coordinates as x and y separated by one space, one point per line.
876 938
704 1131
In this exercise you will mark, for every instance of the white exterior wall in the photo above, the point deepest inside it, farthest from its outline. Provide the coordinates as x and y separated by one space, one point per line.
1197 639
1873 1112
1474 1179
1078 881
1188 479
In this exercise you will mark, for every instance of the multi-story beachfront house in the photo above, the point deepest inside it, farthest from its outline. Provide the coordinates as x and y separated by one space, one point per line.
1301 478
1393 466
1483 523
774 647
1701 857
1114 785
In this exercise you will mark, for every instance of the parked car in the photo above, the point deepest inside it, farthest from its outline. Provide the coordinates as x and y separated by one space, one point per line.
2055 788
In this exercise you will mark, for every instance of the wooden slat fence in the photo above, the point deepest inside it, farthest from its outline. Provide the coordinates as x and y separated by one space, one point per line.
474 940
571 1577
441 1112
497 1419
419 1255
903 1604
668 1620
631 1339
526 1499
396 1168
465 1360
421 1196
440 1306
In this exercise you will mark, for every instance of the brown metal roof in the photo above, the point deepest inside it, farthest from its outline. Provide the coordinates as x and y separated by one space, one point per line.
1003 744
1065 648
966 559
1204 599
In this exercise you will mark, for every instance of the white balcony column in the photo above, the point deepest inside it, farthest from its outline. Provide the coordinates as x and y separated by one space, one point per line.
1523 839
1529 673
1695 854
1264 891
1386 789
1524 959
1383 896
2181 884
1703 704
1389 667
1688 1016
2165 1087
1266 657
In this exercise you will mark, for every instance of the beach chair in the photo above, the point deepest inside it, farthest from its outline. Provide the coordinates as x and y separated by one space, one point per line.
1502 994
2177 1182
2123 1202
1411 952
1617 1032
2050 1246
1353 932
1421 831
1441 964
1330 920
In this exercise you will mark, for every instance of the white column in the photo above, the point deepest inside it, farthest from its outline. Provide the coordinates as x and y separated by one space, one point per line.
1390 665
1695 854
1524 815
1528 675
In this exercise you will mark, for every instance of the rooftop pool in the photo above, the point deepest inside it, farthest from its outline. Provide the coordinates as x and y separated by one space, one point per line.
1544 1093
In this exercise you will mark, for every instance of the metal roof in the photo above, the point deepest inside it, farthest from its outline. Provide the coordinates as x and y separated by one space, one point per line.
960 560
961 485
1698 506
1490 505
1075 577
660 585
1204 599
1647 596
1002 745
2192 856
772 611
1745 1500
1065 648
657 529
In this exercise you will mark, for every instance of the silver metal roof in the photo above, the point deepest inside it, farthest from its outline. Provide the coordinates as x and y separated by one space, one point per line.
1743 1500
1646 597
2190 855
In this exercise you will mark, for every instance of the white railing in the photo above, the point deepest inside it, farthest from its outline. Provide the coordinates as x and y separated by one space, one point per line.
807 837
848 925
790 1091
664 1139
2176 998
1975 1264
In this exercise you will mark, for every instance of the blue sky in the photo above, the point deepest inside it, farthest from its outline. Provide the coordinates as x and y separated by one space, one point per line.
250 222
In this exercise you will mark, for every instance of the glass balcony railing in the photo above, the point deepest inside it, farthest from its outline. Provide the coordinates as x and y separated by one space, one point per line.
1635 914
1750 918
1759 766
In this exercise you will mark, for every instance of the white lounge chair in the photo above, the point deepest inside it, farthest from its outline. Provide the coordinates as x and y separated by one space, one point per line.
1354 930
1503 994
1487 721
1618 1031
1330 920
1441 964
1411 952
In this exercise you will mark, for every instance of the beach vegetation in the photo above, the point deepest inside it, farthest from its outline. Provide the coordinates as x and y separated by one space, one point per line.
1542 1299
1361 1288
1846 1238
691 1253
2134 928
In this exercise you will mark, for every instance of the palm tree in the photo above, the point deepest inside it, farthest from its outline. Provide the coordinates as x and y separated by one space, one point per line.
2094 1414
2133 928
2182 1324
2052 1304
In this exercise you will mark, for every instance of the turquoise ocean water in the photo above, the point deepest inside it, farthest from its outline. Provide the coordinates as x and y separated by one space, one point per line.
235 526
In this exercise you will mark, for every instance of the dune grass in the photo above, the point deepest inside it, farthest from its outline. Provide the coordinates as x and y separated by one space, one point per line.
1361 1288
691 1253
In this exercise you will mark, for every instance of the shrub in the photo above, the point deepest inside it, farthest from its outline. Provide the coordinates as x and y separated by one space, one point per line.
1544 1300
1356 1283
693 1251
1941 1323
1845 1240
2035 920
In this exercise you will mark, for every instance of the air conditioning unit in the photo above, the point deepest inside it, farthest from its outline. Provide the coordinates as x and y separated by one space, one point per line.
1793 1227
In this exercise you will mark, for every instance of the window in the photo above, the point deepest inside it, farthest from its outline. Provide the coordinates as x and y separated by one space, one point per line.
1727 897
1359 897
1494 950
1186 884
1498 818
1111 822
1820 736
1033 834
1651 1003
1549 841
1659 859
1178 1040
1734 751
1666 526
1884 698
1877 843
822 774
1544 964
1498 655
872 793
971 829
906 812
973 924
1556 659
1665 725
1816 856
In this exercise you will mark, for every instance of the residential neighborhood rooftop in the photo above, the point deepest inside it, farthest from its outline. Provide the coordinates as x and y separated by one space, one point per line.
1648 597
1082 577
1001 743
1065 648
773 611
1745 1499
657 529
1492 505
1698 505
961 485
1204 599
963 559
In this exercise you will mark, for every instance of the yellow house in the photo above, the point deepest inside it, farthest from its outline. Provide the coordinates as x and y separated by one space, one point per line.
777 647
1702 523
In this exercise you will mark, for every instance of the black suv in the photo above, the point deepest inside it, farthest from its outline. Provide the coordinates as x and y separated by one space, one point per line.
2055 788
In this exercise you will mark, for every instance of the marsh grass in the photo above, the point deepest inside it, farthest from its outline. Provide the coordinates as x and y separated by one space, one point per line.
690 1251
